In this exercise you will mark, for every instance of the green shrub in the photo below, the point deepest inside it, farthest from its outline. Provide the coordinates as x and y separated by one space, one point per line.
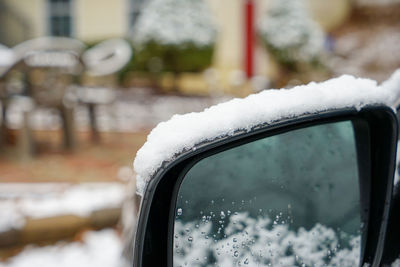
155 57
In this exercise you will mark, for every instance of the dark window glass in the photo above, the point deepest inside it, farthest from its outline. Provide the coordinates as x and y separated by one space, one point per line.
60 18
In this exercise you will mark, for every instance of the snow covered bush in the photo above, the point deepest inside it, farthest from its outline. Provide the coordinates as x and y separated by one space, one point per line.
174 35
290 33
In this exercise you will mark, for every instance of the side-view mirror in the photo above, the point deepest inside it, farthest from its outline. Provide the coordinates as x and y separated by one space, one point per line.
310 189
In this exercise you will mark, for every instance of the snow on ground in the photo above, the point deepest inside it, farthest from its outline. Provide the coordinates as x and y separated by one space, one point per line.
183 132
133 110
20 201
365 54
100 249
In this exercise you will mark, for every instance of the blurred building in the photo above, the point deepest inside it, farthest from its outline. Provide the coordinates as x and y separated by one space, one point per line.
236 58
87 20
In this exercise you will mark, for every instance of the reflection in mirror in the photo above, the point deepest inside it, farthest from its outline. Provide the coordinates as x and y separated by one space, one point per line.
287 200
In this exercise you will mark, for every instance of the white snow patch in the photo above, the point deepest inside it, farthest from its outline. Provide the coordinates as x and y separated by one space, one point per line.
6 56
131 111
184 132
80 200
10 218
393 85
101 249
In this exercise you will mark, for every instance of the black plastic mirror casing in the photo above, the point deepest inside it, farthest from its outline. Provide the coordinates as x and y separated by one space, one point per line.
376 139
392 242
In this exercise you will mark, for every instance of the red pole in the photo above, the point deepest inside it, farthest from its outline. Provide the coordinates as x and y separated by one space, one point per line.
249 35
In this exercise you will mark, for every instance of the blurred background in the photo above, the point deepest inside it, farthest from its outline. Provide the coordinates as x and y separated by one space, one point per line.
82 83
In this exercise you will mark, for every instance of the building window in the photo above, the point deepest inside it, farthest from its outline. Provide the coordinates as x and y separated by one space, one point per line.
135 7
60 19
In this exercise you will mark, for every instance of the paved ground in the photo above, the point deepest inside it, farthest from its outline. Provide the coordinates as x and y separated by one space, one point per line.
90 162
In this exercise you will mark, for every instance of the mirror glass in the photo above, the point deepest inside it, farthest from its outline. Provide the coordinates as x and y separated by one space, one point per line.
286 200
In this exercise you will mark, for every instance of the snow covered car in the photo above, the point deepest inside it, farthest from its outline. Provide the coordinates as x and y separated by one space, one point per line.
298 177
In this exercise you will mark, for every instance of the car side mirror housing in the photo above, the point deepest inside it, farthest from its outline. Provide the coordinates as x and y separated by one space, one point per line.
313 189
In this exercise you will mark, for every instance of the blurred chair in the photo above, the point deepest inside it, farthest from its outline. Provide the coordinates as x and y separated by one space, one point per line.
102 60
42 70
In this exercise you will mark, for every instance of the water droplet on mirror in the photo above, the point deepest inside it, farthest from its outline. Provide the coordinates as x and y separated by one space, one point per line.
179 212
246 261
236 253
190 239
234 239
222 215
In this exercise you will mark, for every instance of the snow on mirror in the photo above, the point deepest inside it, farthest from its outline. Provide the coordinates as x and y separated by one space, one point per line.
287 200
